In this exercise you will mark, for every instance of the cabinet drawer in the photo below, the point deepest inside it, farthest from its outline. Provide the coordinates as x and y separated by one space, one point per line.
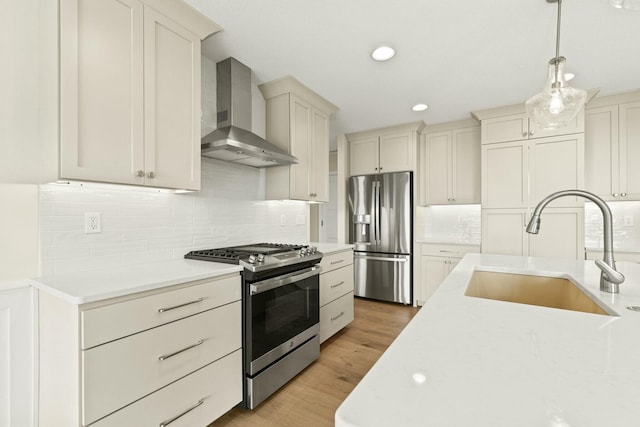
109 322
335 316
336 260
117 373
335 284
218 386
447 250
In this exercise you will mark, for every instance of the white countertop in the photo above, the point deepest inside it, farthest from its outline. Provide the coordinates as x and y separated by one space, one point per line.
327 248
91 286
465 361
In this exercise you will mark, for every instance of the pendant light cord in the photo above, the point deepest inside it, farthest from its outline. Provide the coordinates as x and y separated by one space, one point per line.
558 30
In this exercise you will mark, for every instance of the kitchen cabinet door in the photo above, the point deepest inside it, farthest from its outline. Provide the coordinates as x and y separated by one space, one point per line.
601 152
506 128
436 167
172 104
301 118
319 167
101 90
503 232
465 171
505 175
556 163
397 152
433 271
561 234
364 156
629 154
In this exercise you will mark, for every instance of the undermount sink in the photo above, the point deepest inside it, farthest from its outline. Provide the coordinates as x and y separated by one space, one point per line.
553 292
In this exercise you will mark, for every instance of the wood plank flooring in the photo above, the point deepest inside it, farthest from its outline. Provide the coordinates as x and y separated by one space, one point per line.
312 397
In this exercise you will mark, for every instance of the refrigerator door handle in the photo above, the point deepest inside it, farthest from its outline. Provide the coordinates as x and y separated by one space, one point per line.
378 258
376 195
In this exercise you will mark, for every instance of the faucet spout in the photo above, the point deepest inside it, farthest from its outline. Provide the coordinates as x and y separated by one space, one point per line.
610 278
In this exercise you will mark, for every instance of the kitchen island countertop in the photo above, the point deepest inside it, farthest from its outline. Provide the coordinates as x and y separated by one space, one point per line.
465 361
97 285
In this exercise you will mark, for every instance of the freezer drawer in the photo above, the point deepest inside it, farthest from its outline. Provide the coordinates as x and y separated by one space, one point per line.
385 277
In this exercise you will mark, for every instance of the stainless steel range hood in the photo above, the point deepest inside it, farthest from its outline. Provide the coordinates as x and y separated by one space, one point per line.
232 141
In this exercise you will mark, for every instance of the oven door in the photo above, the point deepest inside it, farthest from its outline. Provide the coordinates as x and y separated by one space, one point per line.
282 313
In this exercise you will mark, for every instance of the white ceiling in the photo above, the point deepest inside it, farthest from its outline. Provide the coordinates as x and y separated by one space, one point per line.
454 55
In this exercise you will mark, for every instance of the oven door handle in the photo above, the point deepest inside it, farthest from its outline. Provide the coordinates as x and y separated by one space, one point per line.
276 282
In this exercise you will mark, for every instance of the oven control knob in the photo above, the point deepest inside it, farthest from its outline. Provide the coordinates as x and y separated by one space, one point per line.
303 252
260 258
313 249
252 259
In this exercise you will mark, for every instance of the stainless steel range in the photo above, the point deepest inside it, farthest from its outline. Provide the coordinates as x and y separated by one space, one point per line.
281 309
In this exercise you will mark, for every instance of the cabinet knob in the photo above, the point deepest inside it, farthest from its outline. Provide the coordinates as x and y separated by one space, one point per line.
140 174
624 194
615 194
532 132
524 133
151 174
375 168
380 168
453 200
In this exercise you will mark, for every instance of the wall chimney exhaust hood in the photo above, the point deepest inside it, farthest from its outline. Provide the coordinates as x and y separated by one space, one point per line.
232 141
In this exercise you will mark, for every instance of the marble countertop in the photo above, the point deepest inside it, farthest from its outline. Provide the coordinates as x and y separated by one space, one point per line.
465 361
91 286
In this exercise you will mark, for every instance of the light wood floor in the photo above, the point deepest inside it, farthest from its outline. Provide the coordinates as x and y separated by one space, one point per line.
311 398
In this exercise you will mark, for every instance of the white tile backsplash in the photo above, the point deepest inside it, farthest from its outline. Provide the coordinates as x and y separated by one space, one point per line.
625 238
458 224
141 226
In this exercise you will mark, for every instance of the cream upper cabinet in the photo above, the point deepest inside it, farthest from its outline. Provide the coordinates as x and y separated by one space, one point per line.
515 127
298 122
384 150
520 174
130 92
450 167
613 146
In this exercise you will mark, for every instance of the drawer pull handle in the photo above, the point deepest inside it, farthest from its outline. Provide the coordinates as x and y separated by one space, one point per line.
337 284
448 252
337 261
167 356
166 423
162 310
338 316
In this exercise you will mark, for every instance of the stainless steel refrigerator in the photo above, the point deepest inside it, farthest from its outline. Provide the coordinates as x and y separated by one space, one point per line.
381 231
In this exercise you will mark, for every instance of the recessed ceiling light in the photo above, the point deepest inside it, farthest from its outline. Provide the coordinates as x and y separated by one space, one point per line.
419 107
383 53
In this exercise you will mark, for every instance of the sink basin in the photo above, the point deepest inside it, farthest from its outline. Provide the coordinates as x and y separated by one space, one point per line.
553 292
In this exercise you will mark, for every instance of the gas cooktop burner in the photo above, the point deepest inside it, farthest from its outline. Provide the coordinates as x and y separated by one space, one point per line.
260 256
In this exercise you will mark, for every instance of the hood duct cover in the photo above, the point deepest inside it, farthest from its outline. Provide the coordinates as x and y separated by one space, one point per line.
232 141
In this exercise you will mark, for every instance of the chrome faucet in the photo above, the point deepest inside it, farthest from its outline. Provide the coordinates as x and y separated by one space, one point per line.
610 278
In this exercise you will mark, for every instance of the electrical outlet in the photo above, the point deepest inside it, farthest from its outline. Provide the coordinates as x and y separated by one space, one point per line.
628 221
92 223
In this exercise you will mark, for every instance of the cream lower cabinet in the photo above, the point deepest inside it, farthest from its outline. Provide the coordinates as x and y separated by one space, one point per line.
561 233
336 293
130 92
612 147
143 359
450 165
385 150
436 262
298 122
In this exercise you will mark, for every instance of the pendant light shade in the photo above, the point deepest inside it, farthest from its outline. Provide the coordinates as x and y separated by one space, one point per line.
558 103
625 4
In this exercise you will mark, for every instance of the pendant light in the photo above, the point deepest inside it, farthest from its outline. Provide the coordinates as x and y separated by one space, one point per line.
625 4
558 103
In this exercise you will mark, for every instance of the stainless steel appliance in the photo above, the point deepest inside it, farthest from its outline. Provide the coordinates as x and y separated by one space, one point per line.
281 312
381 231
